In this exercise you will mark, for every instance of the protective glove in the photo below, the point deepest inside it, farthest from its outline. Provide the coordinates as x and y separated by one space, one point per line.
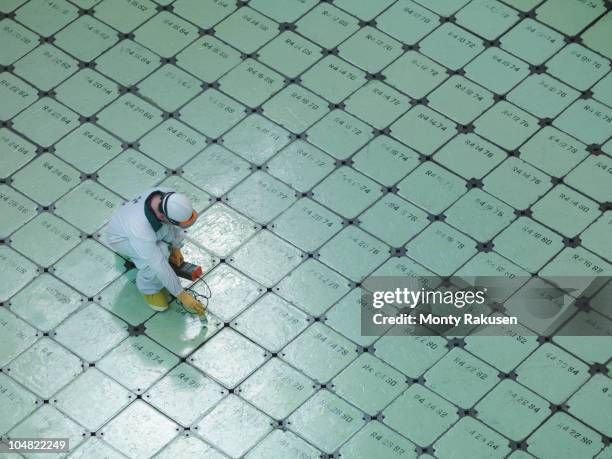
176 257
190 303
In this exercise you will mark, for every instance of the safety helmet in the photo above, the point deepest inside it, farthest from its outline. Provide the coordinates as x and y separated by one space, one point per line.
177 208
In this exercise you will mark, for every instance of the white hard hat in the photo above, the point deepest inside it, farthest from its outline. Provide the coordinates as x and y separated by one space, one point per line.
178 209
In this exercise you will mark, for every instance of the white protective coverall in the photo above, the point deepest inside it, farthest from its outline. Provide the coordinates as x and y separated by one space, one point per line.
129 233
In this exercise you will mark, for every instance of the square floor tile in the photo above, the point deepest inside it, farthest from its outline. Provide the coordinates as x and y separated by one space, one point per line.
137 363
87 92
480 215
17 39
432 415
532 41
290 54
277 389
423 129
313 287
461 378
212 113
593 177
127 62
347 192
208 58
517 183
284 445
246 29
385 160
90 195
256 139
50 423
506 125
233 292
309 165
370 49
320 352
228 357
46 67
92 399
591 402
364 11
327 25
16 271
451 46
550 363
16 94
553 151
106 265
45 121
169 87
354 253
460 99
345 318
595 36
94 447
172 143
326 421
46 302
174 394
261 197
200 200
474 438
266 258
251 83
15 152
221 230
46 179
487 18
16 402
565 210
234 426
572 19
307 224
295 108
497 70
587 120
88 148
561 432
368 374
283 11
17 336
333 78
445 7
216 170
205 13
86 38
512 410
417 185
415 74
602 91
123 299
129 117
470 156
542 95
91 332
595 236
378 104
124 17
46 18
60 237
271 322
139 431
528 244
45 368
129 173
166 34
340 134
407 21
376 440
180 331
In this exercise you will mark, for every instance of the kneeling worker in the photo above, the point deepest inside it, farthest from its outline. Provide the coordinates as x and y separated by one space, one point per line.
149 230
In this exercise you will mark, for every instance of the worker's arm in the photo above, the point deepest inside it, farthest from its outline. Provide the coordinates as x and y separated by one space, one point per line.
176 237
154 257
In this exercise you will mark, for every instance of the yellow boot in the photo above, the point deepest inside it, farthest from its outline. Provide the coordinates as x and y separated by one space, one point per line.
157 301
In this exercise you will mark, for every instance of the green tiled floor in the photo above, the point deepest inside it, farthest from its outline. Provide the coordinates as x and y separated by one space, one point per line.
321 141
